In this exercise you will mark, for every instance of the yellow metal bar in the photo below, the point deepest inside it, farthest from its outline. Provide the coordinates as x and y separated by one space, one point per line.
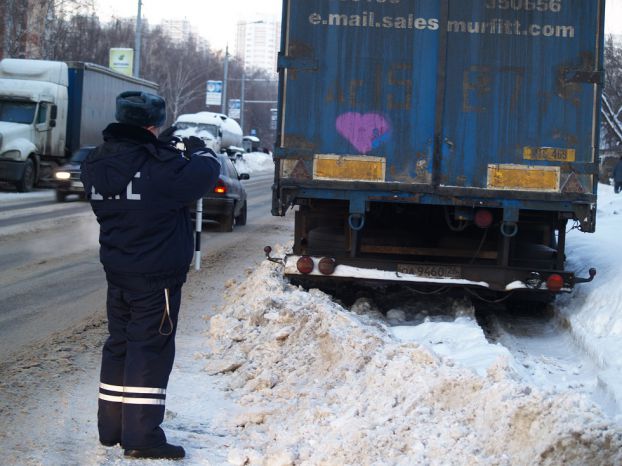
349 168
523 178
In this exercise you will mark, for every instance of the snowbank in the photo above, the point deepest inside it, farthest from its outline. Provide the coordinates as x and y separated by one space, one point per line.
34 195
594 310
319 384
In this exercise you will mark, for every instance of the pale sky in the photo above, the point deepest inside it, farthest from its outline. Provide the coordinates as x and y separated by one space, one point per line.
216 20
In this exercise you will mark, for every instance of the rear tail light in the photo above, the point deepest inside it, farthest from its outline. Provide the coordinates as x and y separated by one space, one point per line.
483 218
555 283
305 265
326 266
220 188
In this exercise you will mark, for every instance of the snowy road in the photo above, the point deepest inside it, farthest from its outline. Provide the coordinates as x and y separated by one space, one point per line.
548 355
51 250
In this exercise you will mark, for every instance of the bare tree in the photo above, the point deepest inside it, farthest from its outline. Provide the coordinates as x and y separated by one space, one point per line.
14 27
612 97
70 31
612 120
180 87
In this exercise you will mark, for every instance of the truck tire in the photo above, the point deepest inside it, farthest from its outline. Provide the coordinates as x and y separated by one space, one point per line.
60 196
241 219
226 222
27 182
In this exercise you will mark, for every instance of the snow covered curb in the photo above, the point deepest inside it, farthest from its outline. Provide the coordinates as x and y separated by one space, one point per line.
594 310
318 384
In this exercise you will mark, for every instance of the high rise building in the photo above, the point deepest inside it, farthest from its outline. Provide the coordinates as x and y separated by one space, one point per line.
257 43
177 29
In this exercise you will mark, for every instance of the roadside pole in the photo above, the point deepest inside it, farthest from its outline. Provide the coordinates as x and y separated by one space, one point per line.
197 239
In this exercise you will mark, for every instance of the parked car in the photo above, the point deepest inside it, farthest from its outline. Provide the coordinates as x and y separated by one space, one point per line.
226 204
68 176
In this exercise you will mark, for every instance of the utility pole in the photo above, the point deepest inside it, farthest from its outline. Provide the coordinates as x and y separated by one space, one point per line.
242 92
223 109
139 28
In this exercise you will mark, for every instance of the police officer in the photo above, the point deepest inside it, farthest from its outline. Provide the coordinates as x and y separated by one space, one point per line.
140 187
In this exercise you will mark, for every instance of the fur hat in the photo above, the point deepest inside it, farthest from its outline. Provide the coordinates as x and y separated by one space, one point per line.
140 109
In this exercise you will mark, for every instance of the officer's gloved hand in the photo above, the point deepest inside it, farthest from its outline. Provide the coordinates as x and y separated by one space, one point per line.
167 136
193 145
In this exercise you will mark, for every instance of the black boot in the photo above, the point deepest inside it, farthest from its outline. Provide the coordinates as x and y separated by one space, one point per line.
166 451
109 443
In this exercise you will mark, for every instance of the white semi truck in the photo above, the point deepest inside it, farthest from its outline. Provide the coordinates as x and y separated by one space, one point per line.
219 132
49 109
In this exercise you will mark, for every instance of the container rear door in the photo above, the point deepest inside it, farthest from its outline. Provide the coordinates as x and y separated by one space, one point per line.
489 94
360 80
519 107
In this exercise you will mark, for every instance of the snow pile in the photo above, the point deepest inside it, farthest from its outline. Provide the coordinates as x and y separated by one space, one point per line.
202 134
34 195
254 162
322 385
594 310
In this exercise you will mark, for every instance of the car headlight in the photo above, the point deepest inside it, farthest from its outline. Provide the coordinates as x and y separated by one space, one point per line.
62 175
11 155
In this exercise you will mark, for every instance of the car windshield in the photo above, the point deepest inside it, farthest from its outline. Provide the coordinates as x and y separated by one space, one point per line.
17 112
198 127
80 154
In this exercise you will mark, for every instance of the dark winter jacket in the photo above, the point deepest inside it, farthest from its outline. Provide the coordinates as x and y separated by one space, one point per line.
617 172
140 189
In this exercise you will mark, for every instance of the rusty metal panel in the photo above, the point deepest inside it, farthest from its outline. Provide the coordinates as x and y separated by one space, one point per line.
512 91
349 168
360 79
443 89
523 178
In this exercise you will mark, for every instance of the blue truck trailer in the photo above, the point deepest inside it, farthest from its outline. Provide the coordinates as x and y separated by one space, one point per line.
439 144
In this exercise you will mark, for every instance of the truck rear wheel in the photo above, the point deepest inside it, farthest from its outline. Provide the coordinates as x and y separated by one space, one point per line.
27 182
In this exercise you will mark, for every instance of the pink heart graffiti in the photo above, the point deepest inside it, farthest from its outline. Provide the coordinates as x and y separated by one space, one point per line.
365 131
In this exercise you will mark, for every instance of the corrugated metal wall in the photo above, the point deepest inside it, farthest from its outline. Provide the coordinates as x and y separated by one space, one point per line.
93 101
466 93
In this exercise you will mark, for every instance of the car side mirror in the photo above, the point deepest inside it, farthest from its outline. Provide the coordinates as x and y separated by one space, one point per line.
52 124
244 176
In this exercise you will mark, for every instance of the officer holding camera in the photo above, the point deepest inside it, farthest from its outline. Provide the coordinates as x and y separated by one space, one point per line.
140 187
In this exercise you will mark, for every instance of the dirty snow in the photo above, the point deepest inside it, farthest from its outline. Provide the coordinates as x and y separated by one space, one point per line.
594 310
320 384
11 196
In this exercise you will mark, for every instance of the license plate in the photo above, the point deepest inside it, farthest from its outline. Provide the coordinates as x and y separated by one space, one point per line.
77 184
431 271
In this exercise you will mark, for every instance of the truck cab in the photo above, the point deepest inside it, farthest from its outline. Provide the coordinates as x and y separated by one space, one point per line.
33 99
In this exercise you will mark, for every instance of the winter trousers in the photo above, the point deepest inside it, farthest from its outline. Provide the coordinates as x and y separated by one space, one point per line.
136 363
617 186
